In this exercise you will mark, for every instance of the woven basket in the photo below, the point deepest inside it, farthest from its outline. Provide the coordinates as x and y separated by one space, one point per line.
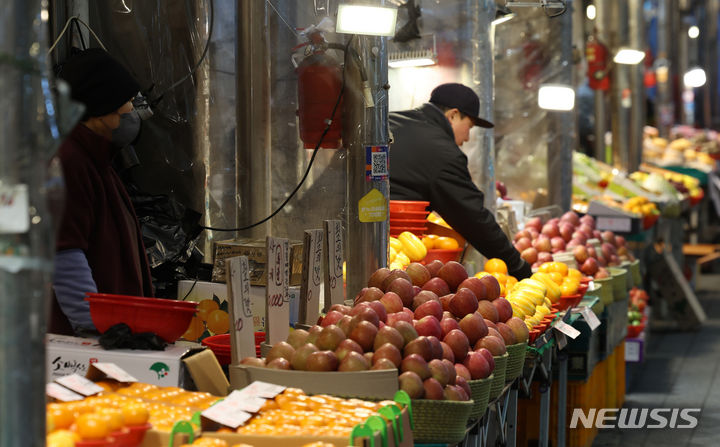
498 381
440 421
516 361
480 394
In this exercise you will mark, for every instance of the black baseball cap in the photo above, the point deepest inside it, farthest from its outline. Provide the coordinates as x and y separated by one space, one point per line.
458 96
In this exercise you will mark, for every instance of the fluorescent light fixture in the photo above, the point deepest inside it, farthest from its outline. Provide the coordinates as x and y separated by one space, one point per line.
556 97
368 20
693 32
628 56
420 62
591 12
694 78
503 19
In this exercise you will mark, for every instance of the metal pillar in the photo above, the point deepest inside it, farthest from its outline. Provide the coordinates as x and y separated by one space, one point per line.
710 49
601 124
620 99
562 398
365 126
28 138
665 69
253 115
637 85
545 387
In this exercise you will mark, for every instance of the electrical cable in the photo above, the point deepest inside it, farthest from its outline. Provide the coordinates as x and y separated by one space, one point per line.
67 24
82 39
312 159
211 21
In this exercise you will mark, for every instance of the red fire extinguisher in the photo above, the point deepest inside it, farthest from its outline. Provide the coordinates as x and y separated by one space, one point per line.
597 60
319 85
533 62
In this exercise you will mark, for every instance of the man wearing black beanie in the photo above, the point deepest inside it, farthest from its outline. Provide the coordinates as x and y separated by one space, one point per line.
99 245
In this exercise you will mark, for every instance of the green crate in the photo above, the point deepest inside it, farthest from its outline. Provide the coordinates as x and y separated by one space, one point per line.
516 360
604 289
619 276
480 394
440 421
498 382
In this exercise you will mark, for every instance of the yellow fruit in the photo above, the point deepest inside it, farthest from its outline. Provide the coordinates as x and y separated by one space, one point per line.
446 243
395 243
496 265
205 307
403 259
218 322
557 277
412 246
481 274
558 267
392 254
574 273
195 329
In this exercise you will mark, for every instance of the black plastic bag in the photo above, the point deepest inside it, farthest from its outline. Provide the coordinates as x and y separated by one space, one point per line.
120 336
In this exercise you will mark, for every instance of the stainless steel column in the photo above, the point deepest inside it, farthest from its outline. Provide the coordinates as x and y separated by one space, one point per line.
602 16
253 115
367 242
637 86
665 109
28 138
619 89
708 31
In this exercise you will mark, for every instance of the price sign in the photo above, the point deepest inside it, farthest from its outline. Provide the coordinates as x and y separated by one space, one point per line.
334 293
621 224
247 401
242 331
228 413
79 384
61 393
14 209
113 371
277 305
632 351
561 340
566 329
313 245
263 389
590 318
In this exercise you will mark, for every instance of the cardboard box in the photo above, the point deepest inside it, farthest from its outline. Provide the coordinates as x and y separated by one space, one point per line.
379 384
202 290
207 373
299 441
256 251
67 355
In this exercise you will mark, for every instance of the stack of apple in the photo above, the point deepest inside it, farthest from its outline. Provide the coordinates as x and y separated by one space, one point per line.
537 242
439 327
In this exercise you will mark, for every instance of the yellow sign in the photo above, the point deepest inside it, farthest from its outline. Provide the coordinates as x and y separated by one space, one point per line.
372 207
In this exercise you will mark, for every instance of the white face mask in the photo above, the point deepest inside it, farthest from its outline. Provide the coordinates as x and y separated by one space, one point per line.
128 130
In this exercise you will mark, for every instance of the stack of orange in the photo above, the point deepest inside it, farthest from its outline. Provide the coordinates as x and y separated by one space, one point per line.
567 278
497 268
435 242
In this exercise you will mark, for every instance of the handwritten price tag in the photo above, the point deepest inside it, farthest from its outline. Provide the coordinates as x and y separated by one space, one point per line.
590 318
311 276
621 224
61 393
277 301
567 329
263 389
79 384
227 413
334 293
242 336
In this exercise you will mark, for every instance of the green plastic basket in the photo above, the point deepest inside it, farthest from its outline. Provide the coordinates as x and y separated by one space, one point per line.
605 290
480 394
635 273
516 360
619 276
498 381
440 421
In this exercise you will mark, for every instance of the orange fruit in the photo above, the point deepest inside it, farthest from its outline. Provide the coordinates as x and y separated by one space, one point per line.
92 426
135 413
62 415
559 267
557 277
195 329
113 416
446 243
495 265
429 240
218 322
205 307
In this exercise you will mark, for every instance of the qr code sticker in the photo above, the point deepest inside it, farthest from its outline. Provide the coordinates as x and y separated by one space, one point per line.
379 164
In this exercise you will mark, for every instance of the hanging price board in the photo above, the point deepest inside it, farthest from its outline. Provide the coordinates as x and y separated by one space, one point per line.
277 306
313 245
566 329
334 293
80 384
58 392
242 331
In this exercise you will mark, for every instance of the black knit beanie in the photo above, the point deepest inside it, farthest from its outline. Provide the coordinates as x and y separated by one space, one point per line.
99 81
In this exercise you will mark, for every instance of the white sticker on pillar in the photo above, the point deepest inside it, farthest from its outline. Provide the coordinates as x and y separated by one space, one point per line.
242 331
277 301
334 285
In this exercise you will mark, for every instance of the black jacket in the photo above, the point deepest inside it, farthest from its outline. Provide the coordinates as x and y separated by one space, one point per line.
426 164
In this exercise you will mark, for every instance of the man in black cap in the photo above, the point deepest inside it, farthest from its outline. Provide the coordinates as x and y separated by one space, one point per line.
427 164
99 246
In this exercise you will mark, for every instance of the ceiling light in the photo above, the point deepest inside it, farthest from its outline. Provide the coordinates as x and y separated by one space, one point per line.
502 15
694 78
556 97
419 62
591 12
628 56
368 20
693 32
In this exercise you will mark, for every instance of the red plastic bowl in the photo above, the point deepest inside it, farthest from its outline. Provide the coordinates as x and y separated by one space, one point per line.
407 205
407 222
417 231
106 442
143 300
220 346
443 254
163 317
570 301
137 433
634 331
417 215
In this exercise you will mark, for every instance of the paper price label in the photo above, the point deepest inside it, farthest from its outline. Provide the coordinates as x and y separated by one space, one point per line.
334 265
227 413
312 276
114 372
567 329
61 393
621 224
590 318
277 304
632 351
263 389
246 402
561 339
242 332
79 384
14 209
